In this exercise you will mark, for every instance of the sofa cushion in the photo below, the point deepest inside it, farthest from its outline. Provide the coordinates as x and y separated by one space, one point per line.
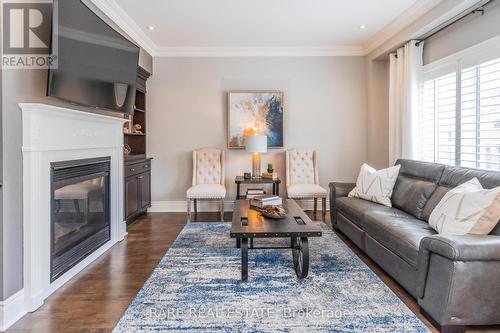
416 182
376 185
398 231
467 209
435 198
354 208
455 176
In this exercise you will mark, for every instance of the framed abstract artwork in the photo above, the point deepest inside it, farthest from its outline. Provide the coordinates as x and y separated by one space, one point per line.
254 112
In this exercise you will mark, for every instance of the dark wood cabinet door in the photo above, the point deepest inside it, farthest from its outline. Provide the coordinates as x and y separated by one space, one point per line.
145 188
131 196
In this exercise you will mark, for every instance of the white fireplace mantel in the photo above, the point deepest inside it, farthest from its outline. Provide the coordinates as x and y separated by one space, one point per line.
52 134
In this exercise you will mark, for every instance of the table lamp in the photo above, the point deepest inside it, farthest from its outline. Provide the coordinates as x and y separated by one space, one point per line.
256 144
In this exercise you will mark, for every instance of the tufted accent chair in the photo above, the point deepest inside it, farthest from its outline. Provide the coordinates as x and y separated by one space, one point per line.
208 179
302 179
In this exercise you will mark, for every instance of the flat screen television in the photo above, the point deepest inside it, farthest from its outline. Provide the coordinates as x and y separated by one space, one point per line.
96 66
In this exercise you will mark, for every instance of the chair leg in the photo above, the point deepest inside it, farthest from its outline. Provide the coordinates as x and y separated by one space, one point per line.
188 210
222 210
77 205
323 206
86 211
315 205
195 208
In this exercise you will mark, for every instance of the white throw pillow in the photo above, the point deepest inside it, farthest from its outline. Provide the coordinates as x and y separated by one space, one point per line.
376 185
467 209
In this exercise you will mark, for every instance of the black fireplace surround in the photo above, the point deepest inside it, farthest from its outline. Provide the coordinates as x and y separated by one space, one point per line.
80 211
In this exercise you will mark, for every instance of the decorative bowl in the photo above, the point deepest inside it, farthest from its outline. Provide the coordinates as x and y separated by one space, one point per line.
274 212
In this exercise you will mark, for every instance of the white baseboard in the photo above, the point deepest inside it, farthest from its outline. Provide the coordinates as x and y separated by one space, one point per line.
213 206
11 310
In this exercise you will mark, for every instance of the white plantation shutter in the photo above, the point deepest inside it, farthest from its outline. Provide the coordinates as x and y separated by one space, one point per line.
446 112
489 121
427 122
469 117
459 122
438 120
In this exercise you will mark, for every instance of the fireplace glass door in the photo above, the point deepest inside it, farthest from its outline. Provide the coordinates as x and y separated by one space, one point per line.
80 211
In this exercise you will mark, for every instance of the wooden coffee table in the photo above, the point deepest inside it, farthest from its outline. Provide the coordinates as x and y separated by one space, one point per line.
296 225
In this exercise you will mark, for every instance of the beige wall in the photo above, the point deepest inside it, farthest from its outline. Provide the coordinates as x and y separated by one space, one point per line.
325 108
377 72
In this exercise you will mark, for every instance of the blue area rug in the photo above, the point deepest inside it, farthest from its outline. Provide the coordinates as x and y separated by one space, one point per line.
196 288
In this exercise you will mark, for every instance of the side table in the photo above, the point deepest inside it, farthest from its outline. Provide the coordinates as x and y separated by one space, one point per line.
241 180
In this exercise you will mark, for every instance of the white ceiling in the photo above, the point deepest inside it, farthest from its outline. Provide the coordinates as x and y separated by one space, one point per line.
183 25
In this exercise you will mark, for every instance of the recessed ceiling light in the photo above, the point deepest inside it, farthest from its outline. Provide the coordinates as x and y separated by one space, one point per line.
151 27
362 27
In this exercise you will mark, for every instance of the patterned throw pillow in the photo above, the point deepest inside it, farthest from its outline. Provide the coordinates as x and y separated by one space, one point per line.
376 185
467 209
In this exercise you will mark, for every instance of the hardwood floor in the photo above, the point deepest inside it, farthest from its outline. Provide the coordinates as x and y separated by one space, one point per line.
95 299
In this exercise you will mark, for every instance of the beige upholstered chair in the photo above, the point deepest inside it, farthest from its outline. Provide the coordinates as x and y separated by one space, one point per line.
302 181
208 179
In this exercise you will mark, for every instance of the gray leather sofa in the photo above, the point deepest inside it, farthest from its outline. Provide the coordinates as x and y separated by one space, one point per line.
456 279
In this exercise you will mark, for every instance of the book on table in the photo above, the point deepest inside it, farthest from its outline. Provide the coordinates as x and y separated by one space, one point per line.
266 200
253 192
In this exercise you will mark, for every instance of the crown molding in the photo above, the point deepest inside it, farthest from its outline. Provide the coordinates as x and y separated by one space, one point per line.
116 13
459 8
418 9
346 50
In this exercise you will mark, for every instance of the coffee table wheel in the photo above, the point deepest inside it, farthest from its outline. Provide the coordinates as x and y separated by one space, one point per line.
300 253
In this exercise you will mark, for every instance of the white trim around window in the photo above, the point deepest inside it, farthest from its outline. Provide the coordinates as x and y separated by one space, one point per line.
459 114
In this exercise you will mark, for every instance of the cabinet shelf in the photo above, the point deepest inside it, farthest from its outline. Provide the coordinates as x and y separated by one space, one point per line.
137 167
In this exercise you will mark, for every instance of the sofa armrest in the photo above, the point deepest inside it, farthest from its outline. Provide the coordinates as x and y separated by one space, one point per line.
338 190
463 248
458 275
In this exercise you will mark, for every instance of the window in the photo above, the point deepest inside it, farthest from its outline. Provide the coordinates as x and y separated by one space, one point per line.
459 122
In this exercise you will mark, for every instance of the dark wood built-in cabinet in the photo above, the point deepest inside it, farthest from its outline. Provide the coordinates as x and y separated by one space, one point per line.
137 185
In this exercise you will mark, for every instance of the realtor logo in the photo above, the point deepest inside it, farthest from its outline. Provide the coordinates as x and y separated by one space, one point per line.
26 30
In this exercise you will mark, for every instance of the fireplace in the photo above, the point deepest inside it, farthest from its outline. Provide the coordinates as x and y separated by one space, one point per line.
80 211
62 236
